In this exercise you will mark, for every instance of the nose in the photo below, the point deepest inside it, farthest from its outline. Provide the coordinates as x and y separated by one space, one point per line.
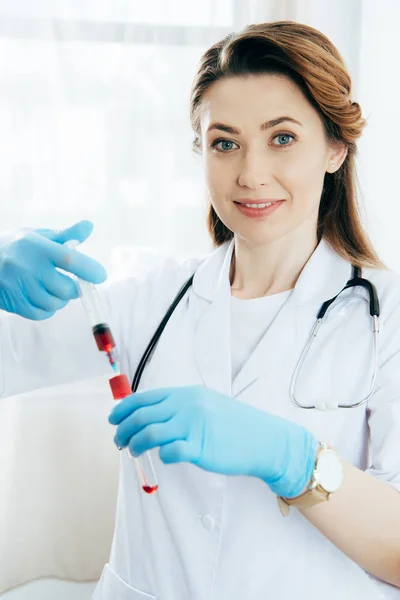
254 171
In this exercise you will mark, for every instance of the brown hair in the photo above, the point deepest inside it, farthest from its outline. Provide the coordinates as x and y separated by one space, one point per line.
310 60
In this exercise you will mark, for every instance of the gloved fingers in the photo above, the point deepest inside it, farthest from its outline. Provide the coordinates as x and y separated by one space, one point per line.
59 285
39 297
79 231
141 418
34 314
157 434
11 302
176 452
75 262
30 250
134 401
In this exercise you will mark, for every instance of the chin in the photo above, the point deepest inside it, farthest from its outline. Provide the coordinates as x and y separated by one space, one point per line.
258 239
260 236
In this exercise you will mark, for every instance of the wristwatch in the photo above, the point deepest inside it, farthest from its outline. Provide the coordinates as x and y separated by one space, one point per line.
326 479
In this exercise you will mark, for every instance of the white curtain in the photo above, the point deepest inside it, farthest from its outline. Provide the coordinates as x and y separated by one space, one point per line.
94 123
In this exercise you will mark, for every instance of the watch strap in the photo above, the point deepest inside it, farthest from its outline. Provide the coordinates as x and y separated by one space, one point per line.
313 495
306 500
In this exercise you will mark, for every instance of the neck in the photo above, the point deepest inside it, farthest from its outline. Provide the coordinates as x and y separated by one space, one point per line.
275 267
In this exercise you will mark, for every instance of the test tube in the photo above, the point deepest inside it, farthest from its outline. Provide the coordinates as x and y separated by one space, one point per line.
120 388
119 384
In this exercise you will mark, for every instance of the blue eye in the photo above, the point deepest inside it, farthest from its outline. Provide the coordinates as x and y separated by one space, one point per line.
225 146
283 135
222 149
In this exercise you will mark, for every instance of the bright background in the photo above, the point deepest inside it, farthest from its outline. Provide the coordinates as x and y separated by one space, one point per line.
94 124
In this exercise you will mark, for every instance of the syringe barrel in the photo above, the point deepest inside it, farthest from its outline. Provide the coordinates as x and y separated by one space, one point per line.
91 302
89 295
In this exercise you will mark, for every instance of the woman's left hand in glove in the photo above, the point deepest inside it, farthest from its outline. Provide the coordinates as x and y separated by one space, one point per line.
217 433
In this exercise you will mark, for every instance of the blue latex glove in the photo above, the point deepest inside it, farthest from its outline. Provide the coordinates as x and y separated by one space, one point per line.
30 284
217 433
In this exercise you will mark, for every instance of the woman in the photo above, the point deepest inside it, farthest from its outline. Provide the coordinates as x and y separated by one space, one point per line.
234 456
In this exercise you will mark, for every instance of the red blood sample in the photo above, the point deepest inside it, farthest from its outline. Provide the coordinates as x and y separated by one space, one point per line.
121 388
149 489
111 360
103 336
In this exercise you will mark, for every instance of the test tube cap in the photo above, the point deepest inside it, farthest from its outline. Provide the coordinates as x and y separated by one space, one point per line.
120 386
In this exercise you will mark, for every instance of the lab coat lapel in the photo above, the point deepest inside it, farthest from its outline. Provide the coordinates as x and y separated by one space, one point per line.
212 344
272 349
324 275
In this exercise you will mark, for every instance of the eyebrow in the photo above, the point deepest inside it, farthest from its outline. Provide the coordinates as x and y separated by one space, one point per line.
263 127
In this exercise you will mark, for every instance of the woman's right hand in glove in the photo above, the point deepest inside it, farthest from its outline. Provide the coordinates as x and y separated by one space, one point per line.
30 284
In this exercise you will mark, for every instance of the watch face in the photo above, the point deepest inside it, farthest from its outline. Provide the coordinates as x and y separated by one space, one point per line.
329 473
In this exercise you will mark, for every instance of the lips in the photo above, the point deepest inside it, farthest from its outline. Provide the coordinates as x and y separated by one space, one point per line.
259 212
261 201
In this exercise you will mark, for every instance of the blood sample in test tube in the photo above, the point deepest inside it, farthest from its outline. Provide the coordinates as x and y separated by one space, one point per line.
144 466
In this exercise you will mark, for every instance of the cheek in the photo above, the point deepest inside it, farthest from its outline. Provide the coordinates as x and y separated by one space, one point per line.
218 176
305 176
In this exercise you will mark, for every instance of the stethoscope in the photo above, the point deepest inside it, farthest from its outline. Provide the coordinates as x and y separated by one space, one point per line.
374 311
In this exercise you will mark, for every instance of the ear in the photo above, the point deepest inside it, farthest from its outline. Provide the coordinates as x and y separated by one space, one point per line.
336 156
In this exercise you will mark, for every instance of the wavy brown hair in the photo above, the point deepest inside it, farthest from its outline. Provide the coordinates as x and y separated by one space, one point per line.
311 61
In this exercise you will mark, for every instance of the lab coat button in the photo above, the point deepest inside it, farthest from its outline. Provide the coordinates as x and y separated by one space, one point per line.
208 523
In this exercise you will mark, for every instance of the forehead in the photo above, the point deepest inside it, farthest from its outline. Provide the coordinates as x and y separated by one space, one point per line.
241 101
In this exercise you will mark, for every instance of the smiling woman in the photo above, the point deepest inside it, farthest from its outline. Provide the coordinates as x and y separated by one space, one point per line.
242 430
265 182
291 175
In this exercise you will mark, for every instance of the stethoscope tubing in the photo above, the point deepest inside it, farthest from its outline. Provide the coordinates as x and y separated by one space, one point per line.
374 310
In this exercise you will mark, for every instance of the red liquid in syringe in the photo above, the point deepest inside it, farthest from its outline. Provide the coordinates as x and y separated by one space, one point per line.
104 340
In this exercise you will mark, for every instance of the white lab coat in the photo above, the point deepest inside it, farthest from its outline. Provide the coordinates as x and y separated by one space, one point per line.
203 535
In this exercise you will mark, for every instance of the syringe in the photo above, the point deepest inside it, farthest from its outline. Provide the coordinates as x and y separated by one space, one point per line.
100 329
119 384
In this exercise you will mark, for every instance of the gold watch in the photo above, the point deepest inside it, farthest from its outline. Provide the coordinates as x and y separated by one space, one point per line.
327 477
